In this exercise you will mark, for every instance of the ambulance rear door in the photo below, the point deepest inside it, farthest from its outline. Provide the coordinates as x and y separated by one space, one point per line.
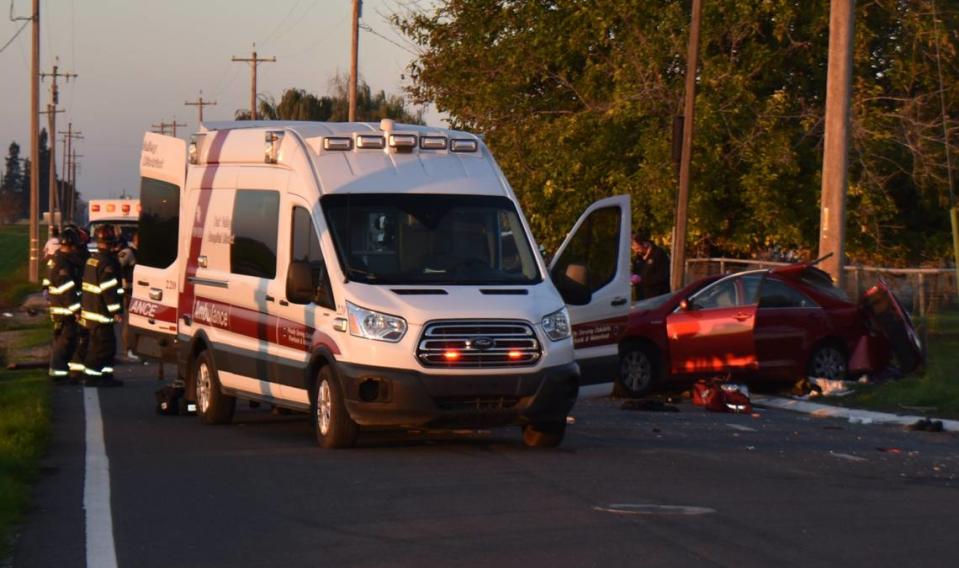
153 306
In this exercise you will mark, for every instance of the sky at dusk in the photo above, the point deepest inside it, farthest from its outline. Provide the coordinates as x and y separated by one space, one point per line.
138 61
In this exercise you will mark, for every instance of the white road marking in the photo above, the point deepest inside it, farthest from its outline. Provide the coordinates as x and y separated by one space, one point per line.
741 428
649 509
101 551
849 457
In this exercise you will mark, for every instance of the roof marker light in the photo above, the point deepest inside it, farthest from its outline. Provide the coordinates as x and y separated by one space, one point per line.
463 145
369 141
402 141
433 142
193 151
337 144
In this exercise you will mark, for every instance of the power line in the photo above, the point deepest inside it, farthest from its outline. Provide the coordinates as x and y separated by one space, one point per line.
23 27
367 28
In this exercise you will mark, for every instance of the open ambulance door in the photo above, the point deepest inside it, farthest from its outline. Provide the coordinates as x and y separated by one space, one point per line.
592 272
153 305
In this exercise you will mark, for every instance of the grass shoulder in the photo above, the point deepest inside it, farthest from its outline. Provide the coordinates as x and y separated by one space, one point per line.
14 282
934 390
24 435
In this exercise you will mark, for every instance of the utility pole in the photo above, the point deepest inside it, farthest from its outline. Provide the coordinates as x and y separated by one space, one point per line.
678 261
953 210
34 263
162 126
254 62
200 103
52 117
73 183
357 11
832 221
68 196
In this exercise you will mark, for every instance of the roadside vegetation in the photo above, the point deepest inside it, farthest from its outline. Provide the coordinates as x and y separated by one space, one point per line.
24 431
14 284
933 390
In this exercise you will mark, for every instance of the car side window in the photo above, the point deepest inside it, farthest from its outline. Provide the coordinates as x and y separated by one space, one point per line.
255 219
728 293
778 294
305 247
590 258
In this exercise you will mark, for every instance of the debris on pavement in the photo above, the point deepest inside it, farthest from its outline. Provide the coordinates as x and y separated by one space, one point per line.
648 405
890 450
926 425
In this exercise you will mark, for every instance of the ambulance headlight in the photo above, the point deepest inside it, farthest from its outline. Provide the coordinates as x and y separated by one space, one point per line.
374 325
556 325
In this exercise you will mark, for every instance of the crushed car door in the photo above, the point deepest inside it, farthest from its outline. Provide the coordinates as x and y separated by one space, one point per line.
153 305
712 331
591 270
888 317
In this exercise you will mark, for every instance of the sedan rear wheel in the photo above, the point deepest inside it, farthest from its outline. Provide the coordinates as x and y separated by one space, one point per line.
637 371
827 362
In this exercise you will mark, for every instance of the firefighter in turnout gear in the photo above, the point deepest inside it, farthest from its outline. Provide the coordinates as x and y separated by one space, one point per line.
102 304
63 289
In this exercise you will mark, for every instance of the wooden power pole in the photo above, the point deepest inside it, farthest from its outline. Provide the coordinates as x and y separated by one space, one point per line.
69 191
200 103
357 10
678 261
832 221
34 268
162 127
254 61
52 118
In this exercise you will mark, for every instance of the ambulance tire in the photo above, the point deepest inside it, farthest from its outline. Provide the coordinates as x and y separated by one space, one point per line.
332 425
212 406
544 435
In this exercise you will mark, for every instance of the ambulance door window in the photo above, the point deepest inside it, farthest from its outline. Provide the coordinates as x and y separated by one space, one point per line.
255 218
305 247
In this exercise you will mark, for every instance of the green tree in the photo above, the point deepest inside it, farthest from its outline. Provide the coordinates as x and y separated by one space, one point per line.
576 98
298 104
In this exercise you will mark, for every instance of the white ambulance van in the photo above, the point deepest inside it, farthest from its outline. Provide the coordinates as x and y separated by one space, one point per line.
121 213
373 275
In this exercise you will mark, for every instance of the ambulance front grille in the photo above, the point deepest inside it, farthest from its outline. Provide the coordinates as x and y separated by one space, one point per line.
478 344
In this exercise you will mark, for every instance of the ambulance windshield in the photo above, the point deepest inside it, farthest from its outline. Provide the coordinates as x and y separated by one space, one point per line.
430 239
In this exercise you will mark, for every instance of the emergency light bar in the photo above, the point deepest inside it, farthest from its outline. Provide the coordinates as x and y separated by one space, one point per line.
337 144
369 141
463 145
433 142
402 141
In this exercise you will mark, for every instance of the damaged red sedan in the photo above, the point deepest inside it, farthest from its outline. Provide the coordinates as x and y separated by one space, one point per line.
771 325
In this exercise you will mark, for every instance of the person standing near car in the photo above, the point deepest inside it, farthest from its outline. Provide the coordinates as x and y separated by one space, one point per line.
101 309
652 277
63 289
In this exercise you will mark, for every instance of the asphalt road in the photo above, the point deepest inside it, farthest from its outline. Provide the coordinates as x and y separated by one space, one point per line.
777 489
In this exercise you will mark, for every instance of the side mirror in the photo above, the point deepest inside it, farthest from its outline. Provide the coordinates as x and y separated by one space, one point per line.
299 283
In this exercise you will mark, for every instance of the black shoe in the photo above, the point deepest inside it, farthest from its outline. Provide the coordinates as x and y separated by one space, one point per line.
61 380
110 382
91 382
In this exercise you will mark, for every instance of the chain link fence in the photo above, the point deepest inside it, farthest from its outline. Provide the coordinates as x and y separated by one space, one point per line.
921 290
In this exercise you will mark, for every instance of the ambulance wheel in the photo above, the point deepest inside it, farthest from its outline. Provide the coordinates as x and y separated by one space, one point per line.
332 424
638 371
827 362
212 406
544 435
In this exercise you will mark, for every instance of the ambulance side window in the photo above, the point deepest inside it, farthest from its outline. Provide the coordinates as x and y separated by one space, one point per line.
305 247
255 217
159 223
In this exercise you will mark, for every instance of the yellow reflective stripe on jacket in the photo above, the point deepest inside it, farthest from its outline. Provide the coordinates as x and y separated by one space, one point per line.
108 284
113 307
58 311
57 290
87 287
93 316
75 366
74 308
45 282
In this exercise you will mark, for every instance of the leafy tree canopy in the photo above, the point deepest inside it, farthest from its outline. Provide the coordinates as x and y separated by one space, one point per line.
577 98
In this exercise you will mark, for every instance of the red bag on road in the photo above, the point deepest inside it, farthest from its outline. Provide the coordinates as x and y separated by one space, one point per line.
709 395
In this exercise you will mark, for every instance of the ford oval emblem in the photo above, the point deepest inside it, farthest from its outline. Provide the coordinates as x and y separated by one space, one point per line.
482 343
